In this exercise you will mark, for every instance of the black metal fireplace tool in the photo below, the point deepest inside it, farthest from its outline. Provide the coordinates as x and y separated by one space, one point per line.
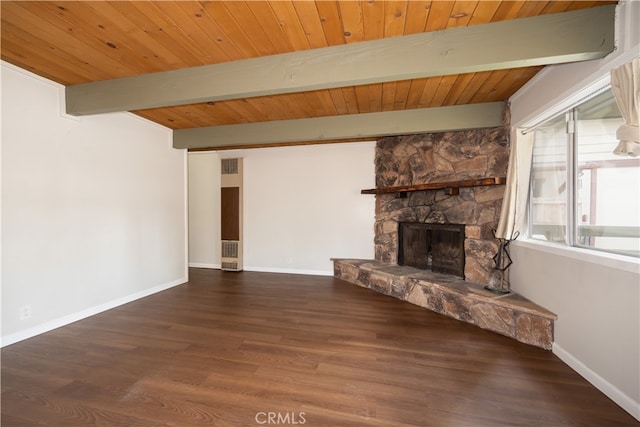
503 261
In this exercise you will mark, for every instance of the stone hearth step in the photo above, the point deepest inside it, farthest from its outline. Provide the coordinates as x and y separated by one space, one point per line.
511 314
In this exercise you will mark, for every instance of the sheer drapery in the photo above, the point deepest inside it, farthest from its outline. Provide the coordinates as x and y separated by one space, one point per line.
625 84
516 195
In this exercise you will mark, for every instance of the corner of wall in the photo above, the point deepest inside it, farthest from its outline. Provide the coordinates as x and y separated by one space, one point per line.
106 225
552 90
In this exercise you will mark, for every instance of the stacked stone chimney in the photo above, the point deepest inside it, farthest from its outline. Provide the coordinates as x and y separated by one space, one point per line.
443 157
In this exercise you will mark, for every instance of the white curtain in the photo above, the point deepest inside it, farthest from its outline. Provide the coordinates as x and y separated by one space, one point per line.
625 84
516 194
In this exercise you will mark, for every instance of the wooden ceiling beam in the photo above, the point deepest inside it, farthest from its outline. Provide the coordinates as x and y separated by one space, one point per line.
350 126
541 40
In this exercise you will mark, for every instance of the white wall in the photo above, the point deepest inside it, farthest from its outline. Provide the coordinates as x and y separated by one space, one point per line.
596 297
204 209
302 206
93 209
598 306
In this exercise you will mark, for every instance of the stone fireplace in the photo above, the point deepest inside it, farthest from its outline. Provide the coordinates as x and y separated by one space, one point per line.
443 157
412 263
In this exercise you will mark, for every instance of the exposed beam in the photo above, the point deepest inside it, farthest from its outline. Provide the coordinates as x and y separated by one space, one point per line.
367 125
541 40
276 144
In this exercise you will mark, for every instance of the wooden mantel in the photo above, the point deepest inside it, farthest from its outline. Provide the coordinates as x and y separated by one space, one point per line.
452 187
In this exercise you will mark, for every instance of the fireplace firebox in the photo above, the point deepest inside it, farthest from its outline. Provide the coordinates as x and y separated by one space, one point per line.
435 247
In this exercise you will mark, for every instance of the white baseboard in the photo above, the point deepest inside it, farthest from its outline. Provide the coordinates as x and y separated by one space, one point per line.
65 320
205 265
289 271
267 269
614 393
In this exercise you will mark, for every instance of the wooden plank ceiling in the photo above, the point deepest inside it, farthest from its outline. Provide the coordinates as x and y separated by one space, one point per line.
74 42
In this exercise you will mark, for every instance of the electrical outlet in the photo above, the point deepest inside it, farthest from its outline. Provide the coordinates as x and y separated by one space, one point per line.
25 312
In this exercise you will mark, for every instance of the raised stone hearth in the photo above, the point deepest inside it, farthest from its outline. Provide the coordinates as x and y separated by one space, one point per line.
511 314
425 163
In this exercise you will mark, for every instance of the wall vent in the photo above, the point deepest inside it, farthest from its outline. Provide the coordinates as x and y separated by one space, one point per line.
229 166
231 214
229 249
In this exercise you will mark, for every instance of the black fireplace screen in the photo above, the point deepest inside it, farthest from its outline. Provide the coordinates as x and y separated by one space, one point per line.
435 247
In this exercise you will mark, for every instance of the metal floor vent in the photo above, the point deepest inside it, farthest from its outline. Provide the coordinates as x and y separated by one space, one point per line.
231 266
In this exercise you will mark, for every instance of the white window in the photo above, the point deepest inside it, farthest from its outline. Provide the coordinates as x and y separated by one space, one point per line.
581 193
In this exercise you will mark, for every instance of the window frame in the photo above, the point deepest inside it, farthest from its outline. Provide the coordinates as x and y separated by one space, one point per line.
571 238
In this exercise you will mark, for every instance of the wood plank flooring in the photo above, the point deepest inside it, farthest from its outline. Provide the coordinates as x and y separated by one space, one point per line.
247 349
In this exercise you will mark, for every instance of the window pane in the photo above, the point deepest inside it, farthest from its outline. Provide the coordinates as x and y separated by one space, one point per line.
548 213
608 186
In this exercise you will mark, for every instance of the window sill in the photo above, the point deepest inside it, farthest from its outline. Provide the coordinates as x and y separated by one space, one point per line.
619 262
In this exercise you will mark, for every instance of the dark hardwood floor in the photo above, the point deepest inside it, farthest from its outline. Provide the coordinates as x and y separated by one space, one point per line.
246 349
